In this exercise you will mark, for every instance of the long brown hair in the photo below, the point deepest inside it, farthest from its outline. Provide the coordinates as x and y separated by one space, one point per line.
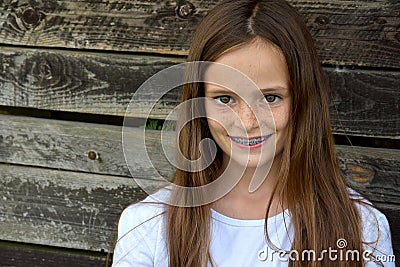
310 180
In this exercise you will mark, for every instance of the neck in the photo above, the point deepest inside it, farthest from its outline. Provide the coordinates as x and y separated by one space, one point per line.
243 203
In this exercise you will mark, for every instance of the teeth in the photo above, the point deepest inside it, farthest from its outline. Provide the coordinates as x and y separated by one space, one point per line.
249 142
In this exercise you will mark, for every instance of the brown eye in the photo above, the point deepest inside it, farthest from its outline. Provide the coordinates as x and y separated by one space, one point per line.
224 99
271 98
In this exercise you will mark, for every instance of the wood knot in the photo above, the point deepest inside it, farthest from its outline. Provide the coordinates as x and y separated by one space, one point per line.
322 20
93 155
360 174
185 9
31 17
45 71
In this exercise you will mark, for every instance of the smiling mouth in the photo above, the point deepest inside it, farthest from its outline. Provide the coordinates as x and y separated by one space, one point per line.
250 142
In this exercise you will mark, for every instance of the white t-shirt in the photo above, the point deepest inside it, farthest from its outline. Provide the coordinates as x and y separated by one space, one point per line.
235 242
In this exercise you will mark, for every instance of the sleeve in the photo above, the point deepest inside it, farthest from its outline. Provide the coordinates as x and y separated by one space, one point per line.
132 248
377 239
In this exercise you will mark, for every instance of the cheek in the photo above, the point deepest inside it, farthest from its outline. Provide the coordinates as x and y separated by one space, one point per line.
281 122
281 118
218 120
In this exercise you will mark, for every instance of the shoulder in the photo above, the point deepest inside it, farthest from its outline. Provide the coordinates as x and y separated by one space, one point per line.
374 224
375 228
141 234
373 221
145 214
371 218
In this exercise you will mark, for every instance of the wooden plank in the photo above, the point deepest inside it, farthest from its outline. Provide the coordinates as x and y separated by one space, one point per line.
22 255
354 32
365 103
75 146
60 208
66 145
374 172
79 82
99 83
364 33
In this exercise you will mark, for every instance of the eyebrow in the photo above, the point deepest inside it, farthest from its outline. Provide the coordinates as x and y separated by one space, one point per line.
274 89
219 90
264 90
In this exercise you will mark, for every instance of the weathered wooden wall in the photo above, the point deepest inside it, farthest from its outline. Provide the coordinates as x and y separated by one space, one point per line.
63 183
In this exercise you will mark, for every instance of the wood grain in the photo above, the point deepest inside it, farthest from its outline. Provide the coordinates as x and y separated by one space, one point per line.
372 171
60 208
365 103
98 83
363 33
80 82
22 255
352 32
69 145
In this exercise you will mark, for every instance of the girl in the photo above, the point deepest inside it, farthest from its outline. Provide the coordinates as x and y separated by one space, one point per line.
300 213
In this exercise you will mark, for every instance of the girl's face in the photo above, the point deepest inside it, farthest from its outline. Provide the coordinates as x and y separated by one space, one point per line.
250 124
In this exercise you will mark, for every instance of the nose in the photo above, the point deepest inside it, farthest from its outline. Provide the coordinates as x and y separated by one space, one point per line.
247 118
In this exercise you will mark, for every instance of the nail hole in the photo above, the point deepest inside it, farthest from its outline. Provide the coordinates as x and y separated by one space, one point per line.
93 155
185 10
322 20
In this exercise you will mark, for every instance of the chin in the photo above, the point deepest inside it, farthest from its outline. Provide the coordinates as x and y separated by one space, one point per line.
253 161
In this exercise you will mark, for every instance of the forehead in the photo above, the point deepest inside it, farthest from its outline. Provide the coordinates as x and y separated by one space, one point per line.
256 63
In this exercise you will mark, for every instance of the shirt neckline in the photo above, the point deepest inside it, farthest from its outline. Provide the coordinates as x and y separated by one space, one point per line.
255 222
